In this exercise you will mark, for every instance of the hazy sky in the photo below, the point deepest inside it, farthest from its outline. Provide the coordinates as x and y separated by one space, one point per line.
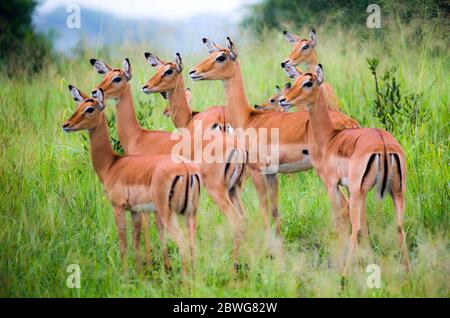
164 9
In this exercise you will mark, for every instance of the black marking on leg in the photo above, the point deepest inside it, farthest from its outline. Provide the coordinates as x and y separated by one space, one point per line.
198 182
171 192
185 196
399 168
369 163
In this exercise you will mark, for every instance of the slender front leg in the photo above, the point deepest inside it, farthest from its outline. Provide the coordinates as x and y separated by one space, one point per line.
119 217
137 229
340 210
145 229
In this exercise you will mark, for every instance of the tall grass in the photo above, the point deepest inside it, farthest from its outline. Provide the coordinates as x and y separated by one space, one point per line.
53 212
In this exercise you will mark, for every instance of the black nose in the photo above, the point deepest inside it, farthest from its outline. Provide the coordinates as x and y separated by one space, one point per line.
192 72
65 125
144 87
282 100
283 64
94 92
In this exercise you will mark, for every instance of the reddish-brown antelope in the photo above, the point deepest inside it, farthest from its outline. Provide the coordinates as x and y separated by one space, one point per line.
221 177
293 128
272 104
139 184
358 159
168 80
304 52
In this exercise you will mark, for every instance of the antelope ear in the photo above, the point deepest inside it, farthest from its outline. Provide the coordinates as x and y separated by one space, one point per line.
189 96
291 37
291 70
127 68
153 60
319 73
77 95
313 37
100 67
232 48
100 100
210 45
179 63
277 90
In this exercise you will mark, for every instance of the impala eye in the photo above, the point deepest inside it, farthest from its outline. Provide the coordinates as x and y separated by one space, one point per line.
168 72
117 79
308 84
221 58
89 110
272 100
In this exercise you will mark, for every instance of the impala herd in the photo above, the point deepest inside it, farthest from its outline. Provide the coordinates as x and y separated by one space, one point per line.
151 178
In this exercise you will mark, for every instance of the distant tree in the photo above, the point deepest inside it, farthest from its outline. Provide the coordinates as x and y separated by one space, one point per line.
276 13
20 46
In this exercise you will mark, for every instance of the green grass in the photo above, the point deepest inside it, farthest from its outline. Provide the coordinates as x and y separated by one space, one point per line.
53 212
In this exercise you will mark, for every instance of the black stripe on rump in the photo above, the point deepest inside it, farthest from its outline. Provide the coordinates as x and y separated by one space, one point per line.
369 163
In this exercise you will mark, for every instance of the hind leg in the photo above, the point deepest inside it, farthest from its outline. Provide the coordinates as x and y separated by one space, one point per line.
162 239
235 196
357 203
399 203
171 226
225 205
191 226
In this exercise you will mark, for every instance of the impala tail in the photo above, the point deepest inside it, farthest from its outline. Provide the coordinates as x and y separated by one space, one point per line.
235 167
184 192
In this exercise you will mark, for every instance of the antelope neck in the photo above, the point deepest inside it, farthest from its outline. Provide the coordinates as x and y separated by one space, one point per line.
321 124
180 111
237 107
101 151
127 125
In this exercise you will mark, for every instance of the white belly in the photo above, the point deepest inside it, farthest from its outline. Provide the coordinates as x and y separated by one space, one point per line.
295 166
145 207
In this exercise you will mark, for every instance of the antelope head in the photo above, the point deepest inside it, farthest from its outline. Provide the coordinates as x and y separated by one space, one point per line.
218 65
303 50
167 77
305 90
273 103
115 80
88 113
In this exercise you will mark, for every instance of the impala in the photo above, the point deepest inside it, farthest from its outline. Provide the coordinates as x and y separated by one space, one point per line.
139 184
294 129
221 178
304 52
169 81
358 159
273 102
